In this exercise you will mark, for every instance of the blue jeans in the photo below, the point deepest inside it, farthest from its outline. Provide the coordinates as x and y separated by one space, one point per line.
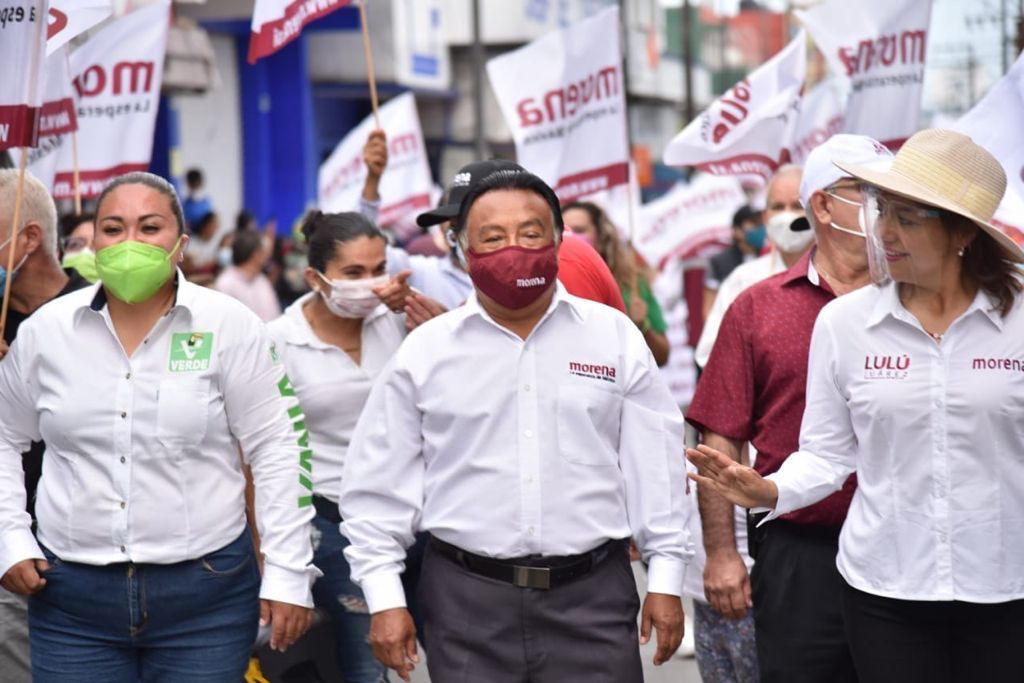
192 621
343 600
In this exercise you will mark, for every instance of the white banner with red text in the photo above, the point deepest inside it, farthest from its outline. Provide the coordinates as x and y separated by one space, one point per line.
688 218
275 23
879 45
821 117
406 185
745 131
997 124
22 56
117 76
57 120
69 18
563 97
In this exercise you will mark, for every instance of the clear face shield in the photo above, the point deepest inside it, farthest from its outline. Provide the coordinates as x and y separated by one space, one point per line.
896 232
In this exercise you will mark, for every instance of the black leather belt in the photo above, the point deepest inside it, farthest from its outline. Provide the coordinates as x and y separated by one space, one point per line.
535 571
327 509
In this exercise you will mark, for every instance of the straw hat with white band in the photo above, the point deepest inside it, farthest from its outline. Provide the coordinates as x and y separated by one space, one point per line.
945 169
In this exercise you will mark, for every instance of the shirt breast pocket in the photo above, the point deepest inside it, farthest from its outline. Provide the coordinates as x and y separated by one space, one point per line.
182 408
588 425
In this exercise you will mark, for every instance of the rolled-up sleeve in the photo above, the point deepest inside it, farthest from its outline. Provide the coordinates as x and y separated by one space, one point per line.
651 456
266 419
19 427
382 487
828 444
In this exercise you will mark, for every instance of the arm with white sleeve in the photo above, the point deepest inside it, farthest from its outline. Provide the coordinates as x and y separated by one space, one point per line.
19 427
265 417
382 486
828 444
651 446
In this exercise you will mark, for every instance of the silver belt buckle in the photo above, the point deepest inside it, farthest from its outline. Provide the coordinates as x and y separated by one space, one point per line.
531 577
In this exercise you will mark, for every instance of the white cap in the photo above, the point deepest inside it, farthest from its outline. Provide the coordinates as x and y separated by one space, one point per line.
820 172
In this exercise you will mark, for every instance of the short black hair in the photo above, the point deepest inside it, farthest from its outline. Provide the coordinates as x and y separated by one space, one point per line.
153 182
511 180
245 244
744 214
201 224
324 231
70 222
193 177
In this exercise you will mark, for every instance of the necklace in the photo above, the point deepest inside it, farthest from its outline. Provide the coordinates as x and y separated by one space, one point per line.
933 335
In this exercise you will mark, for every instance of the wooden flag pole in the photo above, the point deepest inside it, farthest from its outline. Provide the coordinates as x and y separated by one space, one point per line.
74 173
371 77
19 192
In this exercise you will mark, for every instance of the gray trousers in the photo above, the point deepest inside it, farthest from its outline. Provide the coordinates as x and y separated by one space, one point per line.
486 630
15 661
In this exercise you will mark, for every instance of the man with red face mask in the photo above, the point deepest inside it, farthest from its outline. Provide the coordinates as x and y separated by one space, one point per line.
529 433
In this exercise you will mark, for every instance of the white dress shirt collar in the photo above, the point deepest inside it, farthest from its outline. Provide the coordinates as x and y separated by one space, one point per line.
888 304
473 309
300 333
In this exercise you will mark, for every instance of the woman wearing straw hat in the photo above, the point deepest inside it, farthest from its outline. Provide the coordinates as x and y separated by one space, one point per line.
917 384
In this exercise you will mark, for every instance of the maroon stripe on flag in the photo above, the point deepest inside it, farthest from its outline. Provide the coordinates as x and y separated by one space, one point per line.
91 182
58 117
274 35
594 180
393 212
19 126
742 164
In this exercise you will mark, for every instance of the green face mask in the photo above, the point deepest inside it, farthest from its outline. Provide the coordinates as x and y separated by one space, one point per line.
134 271
84 262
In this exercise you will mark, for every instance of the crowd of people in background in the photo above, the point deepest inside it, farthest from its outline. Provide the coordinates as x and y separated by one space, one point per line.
459 442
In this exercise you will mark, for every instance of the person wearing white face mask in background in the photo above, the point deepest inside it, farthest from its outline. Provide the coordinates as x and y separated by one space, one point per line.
788 246
334 341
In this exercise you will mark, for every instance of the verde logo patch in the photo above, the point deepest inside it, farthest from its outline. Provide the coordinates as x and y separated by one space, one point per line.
190 351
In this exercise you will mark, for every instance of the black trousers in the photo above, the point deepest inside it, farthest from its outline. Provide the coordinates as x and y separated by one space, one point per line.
797 593
908 641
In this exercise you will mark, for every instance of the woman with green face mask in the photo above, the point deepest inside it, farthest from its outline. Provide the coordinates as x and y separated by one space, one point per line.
144 388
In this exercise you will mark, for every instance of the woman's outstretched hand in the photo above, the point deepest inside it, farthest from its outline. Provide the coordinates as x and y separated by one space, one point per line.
737 483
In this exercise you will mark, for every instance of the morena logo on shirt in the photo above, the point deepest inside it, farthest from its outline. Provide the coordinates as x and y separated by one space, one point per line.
591 371
1013 364
190 351
886 367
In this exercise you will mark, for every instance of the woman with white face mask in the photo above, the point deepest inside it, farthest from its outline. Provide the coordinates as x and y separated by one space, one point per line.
334 341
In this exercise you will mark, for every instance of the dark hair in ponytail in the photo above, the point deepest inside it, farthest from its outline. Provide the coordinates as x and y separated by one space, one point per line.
324 231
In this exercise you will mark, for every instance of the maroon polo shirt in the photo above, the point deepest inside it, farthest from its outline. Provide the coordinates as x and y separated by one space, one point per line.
753 388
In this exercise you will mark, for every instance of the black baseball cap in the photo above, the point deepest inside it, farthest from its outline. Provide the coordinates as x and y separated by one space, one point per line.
458 188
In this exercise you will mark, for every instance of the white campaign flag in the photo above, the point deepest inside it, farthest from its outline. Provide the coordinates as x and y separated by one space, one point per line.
744 132
879 45
22 53
57 120
679 224
563 97
820 117
997 124
406 185
117 76
275 23
69 18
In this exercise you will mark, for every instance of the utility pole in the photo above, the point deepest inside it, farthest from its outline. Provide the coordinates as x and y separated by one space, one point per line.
687 42
1003 38
972 66
1020 27
479 134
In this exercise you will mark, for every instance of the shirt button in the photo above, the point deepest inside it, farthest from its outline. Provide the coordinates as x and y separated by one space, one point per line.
124 415
122 459
529 480
128 375
123 550
526 387
530 531
122 505
528 433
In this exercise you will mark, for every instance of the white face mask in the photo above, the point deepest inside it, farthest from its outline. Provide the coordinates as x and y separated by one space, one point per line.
352 298
783 238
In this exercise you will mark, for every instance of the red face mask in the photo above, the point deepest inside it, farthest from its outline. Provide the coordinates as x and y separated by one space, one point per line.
514 277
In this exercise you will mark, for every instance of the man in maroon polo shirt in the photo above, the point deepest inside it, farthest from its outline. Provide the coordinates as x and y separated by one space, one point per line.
752 389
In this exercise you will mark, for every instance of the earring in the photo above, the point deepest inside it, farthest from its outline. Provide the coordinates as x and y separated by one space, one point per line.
960 252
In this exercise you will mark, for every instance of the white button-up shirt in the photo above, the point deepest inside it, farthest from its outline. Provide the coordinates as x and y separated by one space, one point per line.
331 387
142 460
936 436
507 448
